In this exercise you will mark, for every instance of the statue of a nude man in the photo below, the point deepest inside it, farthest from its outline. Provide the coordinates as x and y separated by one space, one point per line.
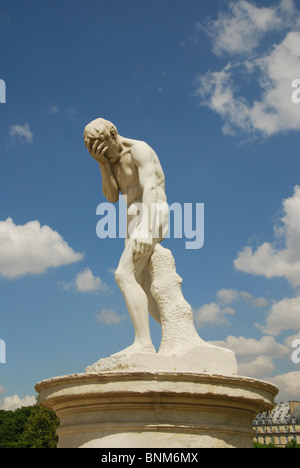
133 168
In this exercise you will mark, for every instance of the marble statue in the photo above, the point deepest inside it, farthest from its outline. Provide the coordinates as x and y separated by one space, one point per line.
146 273
188 393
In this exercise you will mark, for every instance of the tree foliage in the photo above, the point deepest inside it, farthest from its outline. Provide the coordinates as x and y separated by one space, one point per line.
267 446
291 444
28 427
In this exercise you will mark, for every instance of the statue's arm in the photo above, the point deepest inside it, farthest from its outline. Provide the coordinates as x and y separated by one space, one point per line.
143 157
110 187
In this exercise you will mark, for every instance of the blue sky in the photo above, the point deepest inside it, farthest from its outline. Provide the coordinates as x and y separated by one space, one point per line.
208 85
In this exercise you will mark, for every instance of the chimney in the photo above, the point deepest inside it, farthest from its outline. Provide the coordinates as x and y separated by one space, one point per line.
293 405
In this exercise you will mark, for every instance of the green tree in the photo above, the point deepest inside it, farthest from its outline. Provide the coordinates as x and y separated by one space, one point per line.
40 429
257 445
292 444
28 427
12 425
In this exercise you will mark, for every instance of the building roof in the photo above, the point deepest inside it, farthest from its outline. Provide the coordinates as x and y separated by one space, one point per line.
281 414
296 414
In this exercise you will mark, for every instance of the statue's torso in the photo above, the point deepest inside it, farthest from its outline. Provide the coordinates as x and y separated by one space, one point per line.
126 174
127 178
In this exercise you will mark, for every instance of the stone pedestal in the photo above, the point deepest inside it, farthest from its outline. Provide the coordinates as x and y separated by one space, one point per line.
155 409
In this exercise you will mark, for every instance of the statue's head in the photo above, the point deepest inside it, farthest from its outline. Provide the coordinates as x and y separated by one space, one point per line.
99 129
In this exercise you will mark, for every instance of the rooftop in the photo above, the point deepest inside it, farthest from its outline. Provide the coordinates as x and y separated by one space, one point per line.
281 414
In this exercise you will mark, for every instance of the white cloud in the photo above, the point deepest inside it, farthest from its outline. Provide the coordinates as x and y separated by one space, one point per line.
240 30
87 282
54 109
288 385
284 315
22 132
290 340
271 260
109 317
273 71
216 312
32 249
273 111
217 91
227 296
14 402
212 313
255 357
259 302
249 347
260 367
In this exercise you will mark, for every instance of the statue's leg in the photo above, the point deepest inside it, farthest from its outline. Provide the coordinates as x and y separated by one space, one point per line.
145 281
136 298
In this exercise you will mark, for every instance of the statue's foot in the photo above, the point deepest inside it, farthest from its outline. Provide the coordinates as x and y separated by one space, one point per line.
136 348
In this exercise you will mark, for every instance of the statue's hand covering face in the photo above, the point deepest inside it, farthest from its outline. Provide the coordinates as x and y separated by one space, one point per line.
101 132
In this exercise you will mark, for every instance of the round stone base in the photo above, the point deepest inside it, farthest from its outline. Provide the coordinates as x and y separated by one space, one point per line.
155 409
